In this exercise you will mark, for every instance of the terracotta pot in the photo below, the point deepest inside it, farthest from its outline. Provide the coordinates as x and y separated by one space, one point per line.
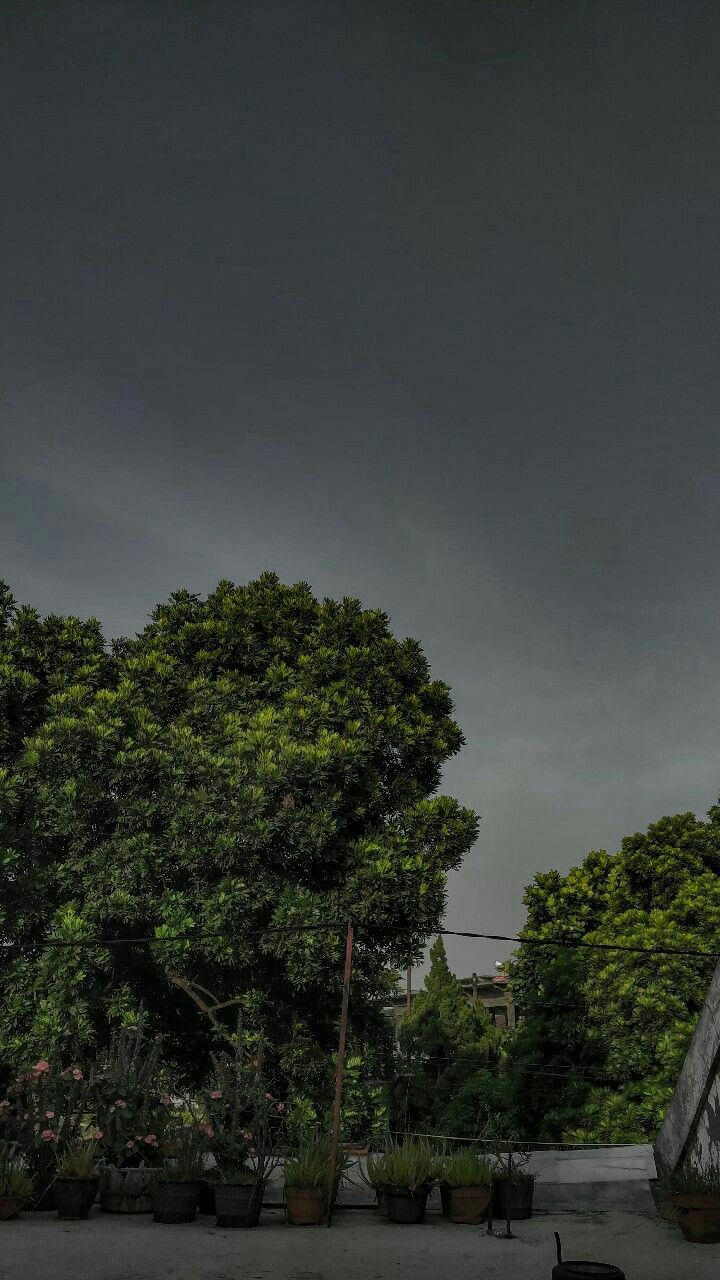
238 1204
126 1190
468 1205
305 1206
699 1217
75 1197
10 1207
175 1201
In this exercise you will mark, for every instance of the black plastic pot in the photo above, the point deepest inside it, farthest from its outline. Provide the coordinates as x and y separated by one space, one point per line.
520 1197
237 1204
381 1204
206 1199
75 1197
575 1270
175 1201
406 1206
445 1199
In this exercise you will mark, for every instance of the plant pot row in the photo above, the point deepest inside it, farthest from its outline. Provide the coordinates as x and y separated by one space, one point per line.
466 1206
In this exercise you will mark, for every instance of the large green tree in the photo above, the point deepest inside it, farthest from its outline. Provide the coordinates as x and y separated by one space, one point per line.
605 1032
257 759
448 1058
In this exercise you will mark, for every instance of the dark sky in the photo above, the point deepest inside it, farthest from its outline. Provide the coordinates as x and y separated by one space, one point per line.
415 301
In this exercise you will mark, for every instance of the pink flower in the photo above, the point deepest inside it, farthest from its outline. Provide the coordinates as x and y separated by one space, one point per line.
166 1099
47 1135
254 1063
120 1103
281 1106
269 1095
41 1066
50 1115
207 1129
95 1134
77 1074
130 1143
151 1140
216 1093
247 1136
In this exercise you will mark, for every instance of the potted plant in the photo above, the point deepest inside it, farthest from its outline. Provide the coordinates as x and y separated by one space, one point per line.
177 1184
696 1197
306 1181
514 1192
469 1178
133 1106
246 1124
43 1112
411 1168
375 1177
77 1179
15 1181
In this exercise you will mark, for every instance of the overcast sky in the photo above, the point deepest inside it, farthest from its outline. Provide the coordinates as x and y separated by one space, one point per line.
417 302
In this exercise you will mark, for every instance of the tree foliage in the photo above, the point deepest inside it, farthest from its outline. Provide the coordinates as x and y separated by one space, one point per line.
448 1057
614 1026
257 759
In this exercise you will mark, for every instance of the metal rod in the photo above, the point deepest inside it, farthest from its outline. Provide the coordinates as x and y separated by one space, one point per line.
337 1108
508 1233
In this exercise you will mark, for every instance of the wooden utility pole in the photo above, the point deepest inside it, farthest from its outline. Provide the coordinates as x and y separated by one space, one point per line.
337 1109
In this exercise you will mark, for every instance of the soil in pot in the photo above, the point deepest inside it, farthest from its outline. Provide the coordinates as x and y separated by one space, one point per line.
126 1190
699 1217
175 1201
10 1207
75 1197
520 1197
468 1205
305 1207
238 1204
405 1206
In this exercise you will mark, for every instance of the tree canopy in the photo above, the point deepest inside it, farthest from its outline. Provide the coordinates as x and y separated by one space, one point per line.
254 760
609 1029
448 1054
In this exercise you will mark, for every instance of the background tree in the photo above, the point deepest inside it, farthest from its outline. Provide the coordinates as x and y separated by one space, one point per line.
448 1057
254 760
623 1020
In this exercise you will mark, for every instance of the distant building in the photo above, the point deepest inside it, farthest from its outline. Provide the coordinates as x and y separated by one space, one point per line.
493 990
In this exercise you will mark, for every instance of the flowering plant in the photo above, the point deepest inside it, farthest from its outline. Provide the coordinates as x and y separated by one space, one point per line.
47 1105
184 1152
246 1121
130 1099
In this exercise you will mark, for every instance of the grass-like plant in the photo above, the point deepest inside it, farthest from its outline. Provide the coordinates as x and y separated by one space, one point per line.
15 1179
375 1173
309 1165
468 1169
411 1164
78 1160
690 1181
187 1149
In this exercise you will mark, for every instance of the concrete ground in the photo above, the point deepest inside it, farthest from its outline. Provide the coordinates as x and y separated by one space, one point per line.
359 1246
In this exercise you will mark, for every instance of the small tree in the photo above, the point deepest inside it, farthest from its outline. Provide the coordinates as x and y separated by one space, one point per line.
445 1042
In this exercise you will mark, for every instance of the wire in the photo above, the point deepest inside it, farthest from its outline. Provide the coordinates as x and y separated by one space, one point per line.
575 943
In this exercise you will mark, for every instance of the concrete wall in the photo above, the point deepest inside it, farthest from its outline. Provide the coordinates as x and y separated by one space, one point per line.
690 1131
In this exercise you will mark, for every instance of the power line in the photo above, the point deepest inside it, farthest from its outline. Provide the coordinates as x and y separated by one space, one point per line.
570 944
576 942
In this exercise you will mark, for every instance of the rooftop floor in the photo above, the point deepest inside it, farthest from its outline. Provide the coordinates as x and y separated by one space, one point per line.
359 1246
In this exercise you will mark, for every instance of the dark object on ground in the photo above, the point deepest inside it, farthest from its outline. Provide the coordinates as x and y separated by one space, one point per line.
175 1201
583 1270
237 1204
406 1206
520 1194
75 1197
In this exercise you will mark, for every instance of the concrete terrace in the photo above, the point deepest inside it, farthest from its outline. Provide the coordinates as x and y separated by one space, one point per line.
359 1246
